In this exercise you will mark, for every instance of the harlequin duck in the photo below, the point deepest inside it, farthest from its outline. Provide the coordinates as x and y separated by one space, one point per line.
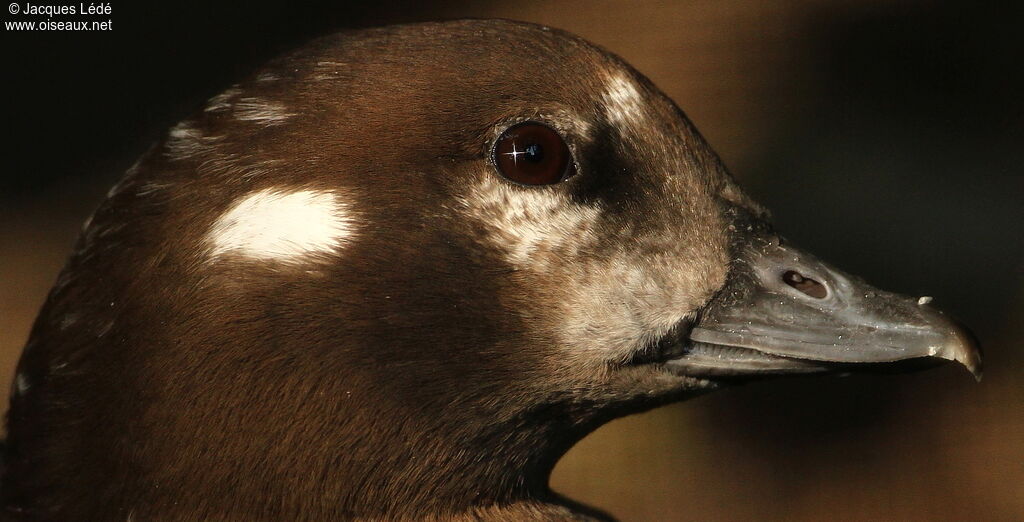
396 274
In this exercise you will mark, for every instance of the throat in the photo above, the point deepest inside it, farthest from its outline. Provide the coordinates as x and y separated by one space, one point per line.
470 474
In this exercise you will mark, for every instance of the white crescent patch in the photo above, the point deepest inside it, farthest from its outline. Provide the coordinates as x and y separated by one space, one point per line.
278 225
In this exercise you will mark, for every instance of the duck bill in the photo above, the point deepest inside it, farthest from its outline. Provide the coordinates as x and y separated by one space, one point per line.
783 312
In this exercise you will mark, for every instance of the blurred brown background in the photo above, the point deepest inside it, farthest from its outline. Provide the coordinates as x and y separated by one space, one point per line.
886 136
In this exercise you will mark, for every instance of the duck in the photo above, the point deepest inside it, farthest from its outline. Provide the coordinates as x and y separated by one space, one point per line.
397 273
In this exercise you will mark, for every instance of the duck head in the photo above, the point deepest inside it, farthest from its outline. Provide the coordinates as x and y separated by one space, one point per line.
398 273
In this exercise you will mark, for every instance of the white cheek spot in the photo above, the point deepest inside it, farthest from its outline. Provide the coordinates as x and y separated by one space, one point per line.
623 101
261 111
281 226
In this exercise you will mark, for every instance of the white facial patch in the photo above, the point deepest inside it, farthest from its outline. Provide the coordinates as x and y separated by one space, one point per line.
530 224
622 100
616 288
276 225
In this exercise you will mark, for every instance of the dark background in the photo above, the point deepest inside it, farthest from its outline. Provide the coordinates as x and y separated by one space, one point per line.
886 137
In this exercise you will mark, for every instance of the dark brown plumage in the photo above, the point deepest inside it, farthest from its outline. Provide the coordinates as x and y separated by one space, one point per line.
433 361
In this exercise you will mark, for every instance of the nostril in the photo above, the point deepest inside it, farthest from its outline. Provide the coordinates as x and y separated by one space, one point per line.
804 284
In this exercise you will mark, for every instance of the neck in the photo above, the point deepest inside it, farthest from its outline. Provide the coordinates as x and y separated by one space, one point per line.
467 457
426 466
467 483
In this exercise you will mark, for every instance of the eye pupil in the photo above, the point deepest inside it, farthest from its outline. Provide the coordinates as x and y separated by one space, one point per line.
532 153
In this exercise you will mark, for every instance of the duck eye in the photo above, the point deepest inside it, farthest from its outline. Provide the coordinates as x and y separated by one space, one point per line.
532 154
